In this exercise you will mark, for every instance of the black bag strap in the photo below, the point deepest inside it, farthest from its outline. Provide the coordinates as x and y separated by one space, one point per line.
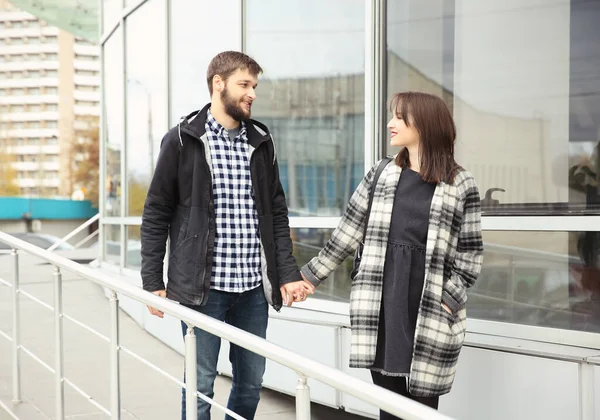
378 172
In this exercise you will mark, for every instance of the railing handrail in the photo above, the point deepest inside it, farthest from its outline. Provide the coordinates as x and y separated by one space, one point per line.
74 232
372 394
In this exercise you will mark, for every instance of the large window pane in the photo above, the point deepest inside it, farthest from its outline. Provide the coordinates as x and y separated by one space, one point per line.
420 45
307 244
190 57
147 98
112 243
547 279
521 79
133 259
312 96
113 86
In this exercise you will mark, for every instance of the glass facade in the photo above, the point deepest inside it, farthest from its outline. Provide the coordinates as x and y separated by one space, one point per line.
146 99
313 100
114 118
547 279
193 46
522 82
307 243
521 79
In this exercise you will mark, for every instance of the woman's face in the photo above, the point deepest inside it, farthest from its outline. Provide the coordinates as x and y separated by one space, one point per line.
401 134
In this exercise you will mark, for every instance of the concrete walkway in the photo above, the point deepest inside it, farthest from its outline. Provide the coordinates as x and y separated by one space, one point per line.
145 394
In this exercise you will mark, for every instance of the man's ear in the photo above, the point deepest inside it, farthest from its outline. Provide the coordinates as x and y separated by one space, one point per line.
218 83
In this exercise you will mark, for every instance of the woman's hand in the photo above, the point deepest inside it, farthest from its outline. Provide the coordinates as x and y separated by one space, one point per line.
446 308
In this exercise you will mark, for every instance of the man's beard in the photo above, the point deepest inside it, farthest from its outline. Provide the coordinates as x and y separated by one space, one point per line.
233 108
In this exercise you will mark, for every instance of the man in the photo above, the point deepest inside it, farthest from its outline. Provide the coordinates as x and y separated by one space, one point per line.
216 192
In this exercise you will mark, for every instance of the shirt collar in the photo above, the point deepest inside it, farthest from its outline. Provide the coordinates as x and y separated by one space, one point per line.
219 130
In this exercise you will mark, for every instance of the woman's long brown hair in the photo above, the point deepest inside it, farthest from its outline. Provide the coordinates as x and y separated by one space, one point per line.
430 116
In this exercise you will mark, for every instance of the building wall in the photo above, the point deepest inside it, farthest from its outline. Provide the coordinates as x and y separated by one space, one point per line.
49 83
66 106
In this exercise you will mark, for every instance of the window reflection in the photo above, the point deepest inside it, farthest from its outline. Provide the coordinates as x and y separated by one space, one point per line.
112 243
113 85
133 259
307 244
547 279
527 131
147 99
190 56
312 97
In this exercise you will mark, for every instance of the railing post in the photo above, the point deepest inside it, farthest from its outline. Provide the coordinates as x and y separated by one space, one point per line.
302 399
191 379
587 406
58 346
115 391
16 329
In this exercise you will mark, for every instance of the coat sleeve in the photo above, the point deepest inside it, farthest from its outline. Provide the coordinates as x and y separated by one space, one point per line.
158 213
345 238
469 253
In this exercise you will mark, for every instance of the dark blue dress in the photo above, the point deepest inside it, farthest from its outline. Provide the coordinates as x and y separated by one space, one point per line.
404 274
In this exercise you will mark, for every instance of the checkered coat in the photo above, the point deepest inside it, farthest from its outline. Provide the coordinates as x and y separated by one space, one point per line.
453 261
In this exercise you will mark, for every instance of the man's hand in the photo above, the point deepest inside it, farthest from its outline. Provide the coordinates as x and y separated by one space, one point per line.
156 312
296 291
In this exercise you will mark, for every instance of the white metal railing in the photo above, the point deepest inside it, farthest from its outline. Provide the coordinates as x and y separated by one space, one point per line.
305 368
75 232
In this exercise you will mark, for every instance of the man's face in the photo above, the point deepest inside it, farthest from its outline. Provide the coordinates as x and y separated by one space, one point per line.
238 94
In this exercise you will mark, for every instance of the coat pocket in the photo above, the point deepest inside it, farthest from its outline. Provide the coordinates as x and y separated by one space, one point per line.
439 343
183 261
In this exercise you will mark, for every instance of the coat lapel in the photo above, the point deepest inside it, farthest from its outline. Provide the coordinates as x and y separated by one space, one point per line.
367 286
435 212
381 210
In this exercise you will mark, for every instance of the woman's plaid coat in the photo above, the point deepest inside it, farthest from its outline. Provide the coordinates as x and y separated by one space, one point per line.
453 261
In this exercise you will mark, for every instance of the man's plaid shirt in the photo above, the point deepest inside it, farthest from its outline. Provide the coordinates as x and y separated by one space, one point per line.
236 261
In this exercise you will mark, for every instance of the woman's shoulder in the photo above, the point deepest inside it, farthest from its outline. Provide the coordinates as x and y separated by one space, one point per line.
464 180
386 160
381 164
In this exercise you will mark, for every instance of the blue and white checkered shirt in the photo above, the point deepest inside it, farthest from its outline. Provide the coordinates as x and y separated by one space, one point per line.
236 261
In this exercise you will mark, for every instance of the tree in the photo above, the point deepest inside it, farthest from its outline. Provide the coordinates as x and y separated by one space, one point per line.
137 196
8 177
86 160
86 169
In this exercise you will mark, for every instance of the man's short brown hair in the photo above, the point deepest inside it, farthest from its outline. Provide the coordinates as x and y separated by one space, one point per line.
226 63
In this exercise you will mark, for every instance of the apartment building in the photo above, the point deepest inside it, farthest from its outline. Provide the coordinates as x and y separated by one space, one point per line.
49 89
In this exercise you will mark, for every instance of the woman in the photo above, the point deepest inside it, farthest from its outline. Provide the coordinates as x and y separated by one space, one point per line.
422 250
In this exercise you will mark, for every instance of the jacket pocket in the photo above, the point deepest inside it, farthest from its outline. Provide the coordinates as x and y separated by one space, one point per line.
183 260
179 227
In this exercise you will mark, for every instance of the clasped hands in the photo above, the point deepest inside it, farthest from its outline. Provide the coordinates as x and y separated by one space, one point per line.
296 291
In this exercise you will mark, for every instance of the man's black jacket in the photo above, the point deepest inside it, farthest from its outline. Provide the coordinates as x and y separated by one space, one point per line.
180 205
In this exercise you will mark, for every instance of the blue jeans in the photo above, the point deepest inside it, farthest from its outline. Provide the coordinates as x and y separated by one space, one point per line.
247 311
